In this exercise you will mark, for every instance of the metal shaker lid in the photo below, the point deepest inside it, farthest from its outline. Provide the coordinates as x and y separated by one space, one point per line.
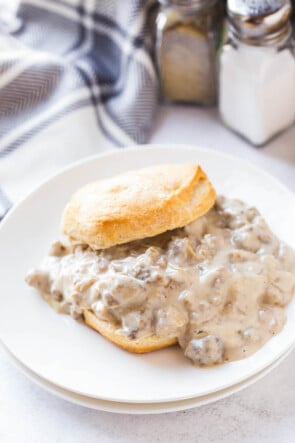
187 3
253 20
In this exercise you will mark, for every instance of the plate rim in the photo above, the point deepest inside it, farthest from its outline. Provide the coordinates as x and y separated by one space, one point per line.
157 407
136 148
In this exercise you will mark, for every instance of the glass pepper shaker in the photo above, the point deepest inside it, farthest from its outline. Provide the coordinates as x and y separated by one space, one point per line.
186 42
257 69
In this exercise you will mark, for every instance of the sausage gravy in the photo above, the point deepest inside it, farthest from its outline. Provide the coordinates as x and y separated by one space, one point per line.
220 284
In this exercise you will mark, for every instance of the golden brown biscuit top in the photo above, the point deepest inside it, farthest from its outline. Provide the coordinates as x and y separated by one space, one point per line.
137 204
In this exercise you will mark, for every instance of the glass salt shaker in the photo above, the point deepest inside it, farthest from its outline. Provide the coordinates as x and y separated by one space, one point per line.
257 69
186 41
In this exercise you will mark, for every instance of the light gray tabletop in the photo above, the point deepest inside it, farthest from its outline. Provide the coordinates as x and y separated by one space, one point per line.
264 412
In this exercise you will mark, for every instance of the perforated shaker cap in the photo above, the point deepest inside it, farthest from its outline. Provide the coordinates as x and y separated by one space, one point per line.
256 20
195 4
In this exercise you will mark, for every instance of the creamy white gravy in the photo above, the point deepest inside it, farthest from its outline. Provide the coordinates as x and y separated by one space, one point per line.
219 285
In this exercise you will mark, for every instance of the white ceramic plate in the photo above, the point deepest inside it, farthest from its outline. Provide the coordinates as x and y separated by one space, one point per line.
77 359
142 408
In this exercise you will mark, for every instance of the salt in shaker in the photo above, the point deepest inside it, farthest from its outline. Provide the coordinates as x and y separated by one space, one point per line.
257 69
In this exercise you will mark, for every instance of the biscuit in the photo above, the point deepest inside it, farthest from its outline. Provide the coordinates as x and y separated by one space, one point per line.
137 204
139 345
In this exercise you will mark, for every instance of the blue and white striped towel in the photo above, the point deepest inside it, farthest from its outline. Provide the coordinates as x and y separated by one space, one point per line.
76 77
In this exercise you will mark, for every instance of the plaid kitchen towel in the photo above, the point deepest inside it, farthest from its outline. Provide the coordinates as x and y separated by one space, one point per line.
76 76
